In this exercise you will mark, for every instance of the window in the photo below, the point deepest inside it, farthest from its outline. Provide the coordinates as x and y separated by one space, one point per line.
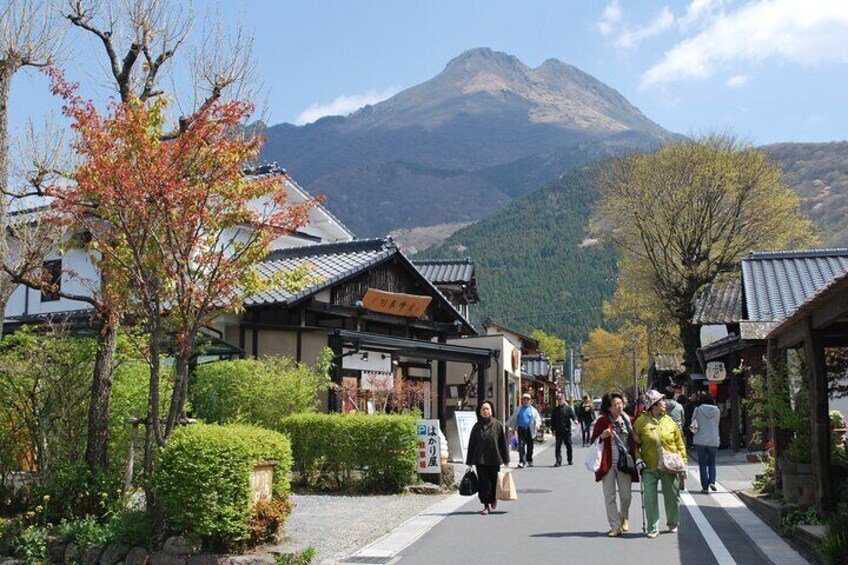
52 274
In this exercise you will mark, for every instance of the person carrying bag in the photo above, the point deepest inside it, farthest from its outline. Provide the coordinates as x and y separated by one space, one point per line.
487 450
663 450
614 435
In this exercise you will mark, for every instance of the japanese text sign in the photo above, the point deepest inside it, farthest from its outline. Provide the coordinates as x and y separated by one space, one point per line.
429 447
407 305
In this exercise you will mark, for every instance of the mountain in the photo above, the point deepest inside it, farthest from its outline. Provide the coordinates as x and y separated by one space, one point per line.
819 174
536 266
537 270
485 130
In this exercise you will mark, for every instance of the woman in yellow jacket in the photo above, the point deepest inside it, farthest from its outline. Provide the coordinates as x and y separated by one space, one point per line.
654 428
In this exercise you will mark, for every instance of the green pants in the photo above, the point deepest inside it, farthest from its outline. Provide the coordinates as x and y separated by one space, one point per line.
671 497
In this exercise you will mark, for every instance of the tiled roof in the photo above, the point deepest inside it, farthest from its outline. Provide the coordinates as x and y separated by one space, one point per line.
719 303
669 362
446 271
838 285
535 366
776 283
330 262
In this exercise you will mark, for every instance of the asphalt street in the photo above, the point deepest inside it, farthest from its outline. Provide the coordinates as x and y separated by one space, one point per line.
559 518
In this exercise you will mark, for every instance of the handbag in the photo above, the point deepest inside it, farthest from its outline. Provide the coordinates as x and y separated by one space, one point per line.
693 426
468 484
668 461
506 487
593 458
625 464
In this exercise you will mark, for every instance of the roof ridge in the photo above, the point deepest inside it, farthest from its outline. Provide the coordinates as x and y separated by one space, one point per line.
466 261
353 246
801 253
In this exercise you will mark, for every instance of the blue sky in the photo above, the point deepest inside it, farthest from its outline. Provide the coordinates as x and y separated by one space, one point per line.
769 71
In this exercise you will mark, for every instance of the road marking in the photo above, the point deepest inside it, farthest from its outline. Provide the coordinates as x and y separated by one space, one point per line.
714 542
769 543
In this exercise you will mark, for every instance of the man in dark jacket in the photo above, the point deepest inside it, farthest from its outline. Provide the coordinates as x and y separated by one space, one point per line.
561 419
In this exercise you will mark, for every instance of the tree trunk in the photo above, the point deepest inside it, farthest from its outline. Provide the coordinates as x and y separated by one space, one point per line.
7 71
97 449
691 341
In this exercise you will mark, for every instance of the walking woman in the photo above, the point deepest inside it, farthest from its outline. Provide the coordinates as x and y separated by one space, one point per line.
704 428
618 468
586 415
656 429
487 450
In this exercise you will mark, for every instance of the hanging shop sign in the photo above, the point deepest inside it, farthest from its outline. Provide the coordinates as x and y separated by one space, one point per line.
395 303
429 447
716 371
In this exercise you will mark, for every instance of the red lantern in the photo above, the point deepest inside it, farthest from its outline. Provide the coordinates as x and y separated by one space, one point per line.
713 389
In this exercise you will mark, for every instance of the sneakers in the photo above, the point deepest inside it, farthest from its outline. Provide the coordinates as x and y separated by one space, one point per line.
652 535
520 466
625 525
529 463
614 533
557 464
672 529
713 488
705 491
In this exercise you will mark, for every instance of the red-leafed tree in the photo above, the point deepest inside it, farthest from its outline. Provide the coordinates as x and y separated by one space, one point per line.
176 222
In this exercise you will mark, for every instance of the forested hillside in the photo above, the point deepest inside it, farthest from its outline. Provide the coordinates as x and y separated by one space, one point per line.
819 174
535 267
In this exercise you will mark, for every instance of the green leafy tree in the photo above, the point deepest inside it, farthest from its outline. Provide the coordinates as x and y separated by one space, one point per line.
689 211
551 345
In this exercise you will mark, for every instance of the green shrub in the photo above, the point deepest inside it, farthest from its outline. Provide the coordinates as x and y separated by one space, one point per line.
258 391
354 451
203 479
84 532
266 519
305 557
834 545
31 545
133 528
70 491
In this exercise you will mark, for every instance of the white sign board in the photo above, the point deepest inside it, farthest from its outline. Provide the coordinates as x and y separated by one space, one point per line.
464 422
366 360
716 371
429 447
578 375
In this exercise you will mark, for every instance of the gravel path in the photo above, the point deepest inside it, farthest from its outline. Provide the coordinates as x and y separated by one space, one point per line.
337 526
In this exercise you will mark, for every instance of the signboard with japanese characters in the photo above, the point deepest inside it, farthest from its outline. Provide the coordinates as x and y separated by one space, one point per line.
429 447
716 371
398 304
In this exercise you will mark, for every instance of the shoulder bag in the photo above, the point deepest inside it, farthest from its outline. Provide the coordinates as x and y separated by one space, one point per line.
468 484
668 461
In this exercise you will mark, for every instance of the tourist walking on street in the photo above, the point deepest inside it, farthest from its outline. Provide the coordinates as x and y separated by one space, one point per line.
526 421
586 414
656 430
674 409
487 450
561 419
704 427
618 469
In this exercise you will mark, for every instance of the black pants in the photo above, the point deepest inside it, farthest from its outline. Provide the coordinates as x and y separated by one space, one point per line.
586 429
525 445
563 436
487 482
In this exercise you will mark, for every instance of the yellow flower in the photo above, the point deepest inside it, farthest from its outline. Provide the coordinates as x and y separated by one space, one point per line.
46 497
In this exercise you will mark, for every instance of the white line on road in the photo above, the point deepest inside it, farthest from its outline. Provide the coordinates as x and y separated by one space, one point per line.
710 536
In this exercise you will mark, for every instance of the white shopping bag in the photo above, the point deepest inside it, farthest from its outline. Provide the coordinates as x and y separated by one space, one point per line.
593 459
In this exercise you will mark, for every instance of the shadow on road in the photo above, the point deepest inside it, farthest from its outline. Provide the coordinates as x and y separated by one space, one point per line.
570 535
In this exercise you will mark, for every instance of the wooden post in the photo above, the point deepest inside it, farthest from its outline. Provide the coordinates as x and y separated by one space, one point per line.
441 391
128 474
734 402
819 424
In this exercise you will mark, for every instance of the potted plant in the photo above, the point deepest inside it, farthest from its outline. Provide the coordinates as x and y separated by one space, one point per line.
837 425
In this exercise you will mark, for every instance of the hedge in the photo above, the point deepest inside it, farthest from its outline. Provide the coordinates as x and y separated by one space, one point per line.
202 479
353 451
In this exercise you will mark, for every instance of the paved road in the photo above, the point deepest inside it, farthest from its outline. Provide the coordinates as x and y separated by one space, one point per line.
559 518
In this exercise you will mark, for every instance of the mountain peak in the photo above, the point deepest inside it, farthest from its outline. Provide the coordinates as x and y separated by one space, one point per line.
482 58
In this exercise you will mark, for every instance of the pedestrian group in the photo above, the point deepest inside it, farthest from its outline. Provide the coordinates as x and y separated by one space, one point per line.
643 443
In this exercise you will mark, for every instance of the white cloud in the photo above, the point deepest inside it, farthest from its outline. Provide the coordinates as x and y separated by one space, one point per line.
610 19
737 81
808 33
343 105
664 21
700 10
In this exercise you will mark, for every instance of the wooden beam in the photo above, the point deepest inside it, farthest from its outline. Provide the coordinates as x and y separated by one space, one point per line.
830 310
819 423
792 336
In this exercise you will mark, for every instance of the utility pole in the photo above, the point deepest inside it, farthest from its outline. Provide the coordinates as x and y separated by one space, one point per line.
635 376
571 391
